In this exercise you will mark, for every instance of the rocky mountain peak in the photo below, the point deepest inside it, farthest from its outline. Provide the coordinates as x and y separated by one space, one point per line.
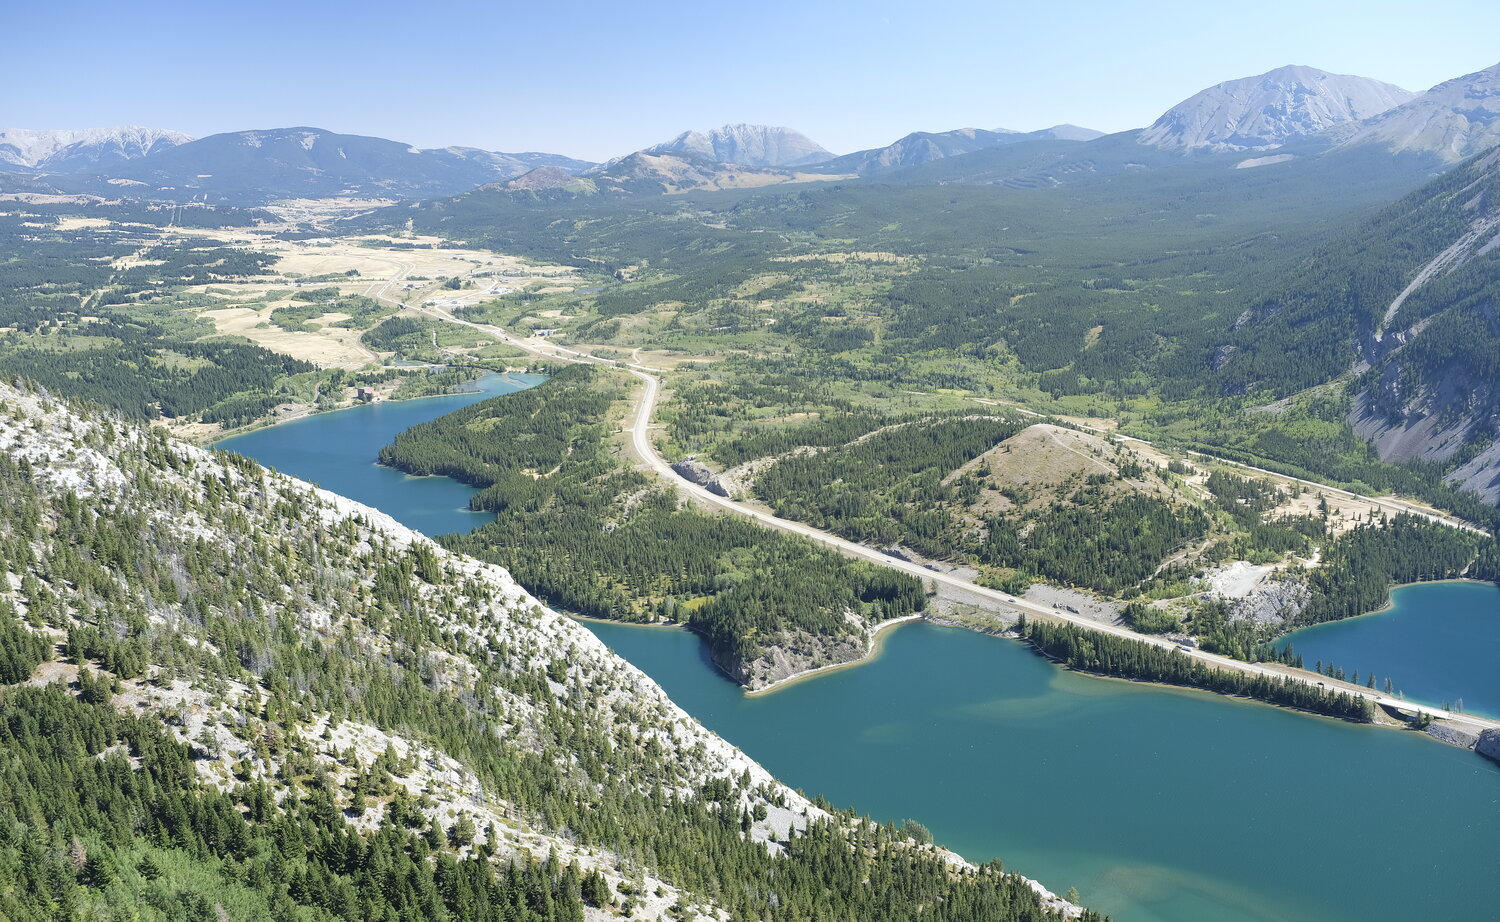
1268 110
1454 120
748 145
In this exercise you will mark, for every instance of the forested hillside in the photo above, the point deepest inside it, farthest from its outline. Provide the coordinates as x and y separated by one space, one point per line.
1094 287
1411 297
591 535
263 701
72 325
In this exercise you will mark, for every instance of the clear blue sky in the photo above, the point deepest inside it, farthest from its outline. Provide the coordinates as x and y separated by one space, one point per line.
595 79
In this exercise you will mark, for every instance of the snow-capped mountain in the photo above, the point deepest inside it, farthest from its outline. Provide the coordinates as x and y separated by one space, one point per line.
76 150
1267 111
1454 120
748 145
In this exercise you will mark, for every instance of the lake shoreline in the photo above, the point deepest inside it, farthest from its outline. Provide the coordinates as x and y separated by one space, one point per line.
1435 641
874 646
1390 602
468 387
876 643
1384 719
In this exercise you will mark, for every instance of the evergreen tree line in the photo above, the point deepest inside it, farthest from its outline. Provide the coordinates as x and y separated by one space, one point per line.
21 650
1094 651
1360 567
1098 538
887 487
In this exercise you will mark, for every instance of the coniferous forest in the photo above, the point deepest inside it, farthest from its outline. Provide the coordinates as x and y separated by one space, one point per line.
594 537
254 605
1095 651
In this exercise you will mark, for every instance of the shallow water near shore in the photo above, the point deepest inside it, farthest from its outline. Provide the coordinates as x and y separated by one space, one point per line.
1439 643
1159 805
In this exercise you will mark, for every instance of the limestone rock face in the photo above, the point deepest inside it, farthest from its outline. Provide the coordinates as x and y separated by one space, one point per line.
1489 744
697 472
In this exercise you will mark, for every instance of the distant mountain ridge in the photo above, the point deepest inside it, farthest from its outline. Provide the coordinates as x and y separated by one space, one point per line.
259 166
1454 120
514 164
926 146
747 145
72 149
665 172
1270 109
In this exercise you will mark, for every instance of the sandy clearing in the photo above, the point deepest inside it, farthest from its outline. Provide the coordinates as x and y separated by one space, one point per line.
72 222
329 347
1236 579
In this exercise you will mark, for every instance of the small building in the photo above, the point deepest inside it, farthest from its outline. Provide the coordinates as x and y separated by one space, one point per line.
367 395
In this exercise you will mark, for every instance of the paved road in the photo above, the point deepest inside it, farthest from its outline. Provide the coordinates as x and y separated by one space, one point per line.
646 452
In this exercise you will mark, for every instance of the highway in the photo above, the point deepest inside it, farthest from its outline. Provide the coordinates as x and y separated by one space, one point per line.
649 457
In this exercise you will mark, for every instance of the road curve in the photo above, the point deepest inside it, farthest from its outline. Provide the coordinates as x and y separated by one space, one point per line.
641 444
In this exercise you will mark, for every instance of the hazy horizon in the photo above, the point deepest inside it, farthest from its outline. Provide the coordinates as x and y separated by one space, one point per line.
587 81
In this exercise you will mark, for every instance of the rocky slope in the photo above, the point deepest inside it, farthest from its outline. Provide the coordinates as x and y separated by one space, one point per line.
1431 392
747 145
1454 120
310 648
1267 111
76 150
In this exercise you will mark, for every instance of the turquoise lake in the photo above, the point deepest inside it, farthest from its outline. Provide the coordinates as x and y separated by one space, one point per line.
337 450
1438 643
1159 805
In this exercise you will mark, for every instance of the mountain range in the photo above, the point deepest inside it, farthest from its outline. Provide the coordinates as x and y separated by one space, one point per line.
251 167
1290 112
926 146
655 173
70 150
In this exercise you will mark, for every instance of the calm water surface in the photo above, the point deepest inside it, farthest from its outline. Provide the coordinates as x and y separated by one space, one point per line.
337 451
1159 805
1438 643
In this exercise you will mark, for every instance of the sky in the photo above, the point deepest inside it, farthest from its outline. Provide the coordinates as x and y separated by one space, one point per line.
594 79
